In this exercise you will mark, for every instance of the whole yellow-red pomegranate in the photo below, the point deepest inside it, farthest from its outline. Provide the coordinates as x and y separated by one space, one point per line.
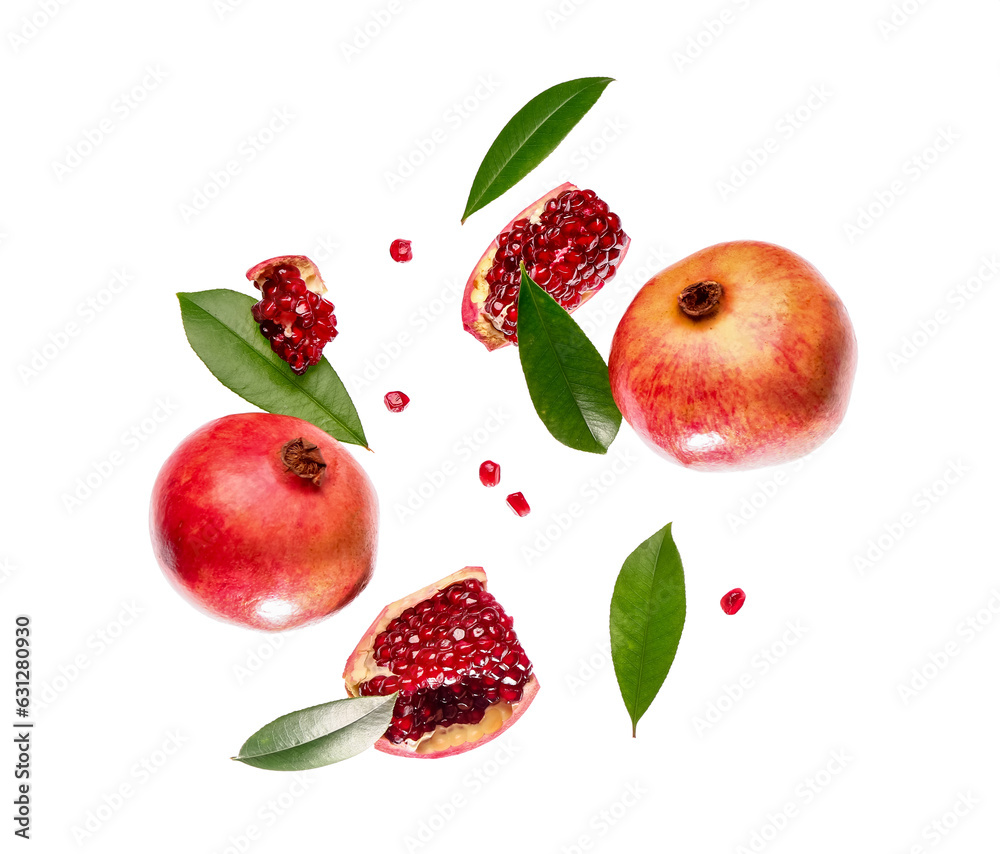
739 356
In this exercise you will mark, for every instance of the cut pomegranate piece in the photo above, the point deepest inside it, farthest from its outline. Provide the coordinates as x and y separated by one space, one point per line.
396 401
451 652
733 601
292 313
400 251
516 502
571 245
489 473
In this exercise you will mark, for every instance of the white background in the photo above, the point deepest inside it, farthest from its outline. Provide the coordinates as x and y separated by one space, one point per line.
123 666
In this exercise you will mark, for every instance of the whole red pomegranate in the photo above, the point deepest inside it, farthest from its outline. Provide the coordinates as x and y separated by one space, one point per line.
570 243
265 521
451 652
736 357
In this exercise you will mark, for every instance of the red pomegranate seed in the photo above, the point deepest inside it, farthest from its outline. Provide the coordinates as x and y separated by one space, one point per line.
489 473
441 682
516 502
733 600
400 251
570 251
396 401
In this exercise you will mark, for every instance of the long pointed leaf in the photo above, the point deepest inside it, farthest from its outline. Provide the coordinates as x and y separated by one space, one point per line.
531 136
647 618
319 735
223 333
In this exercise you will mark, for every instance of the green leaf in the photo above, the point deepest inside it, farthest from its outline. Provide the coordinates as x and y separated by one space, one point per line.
567 378
319 735
226 338
647 618
531 136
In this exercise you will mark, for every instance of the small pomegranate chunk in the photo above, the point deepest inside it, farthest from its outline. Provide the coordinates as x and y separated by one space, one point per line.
489 473
292 313
516 502
396 401
571 245
400 251
451 652
733 601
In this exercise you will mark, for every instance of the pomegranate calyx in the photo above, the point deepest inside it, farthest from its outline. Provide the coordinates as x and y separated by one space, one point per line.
700 299
303 459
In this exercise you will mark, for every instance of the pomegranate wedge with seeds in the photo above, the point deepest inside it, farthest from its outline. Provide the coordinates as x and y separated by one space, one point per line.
451 652
571 245
292 313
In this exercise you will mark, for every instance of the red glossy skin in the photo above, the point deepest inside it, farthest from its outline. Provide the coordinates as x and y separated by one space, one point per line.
764 380
248 541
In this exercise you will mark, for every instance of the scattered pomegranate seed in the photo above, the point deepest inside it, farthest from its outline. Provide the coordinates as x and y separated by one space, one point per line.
396 401
400 251
733 601
516 502
489 473
451 656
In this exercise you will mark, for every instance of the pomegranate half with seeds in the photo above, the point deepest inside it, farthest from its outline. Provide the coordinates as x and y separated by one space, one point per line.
292 313
451 652
571 244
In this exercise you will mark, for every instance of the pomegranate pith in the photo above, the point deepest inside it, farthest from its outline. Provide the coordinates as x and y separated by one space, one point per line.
570 243
451 652
291 312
